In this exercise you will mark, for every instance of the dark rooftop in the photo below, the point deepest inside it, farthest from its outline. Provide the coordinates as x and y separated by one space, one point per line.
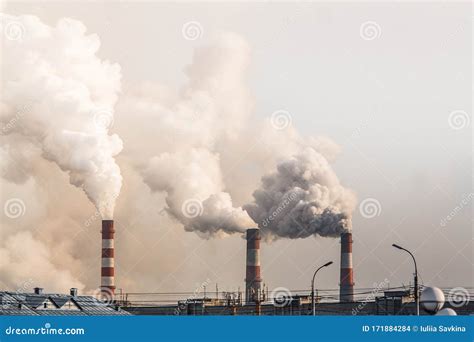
15 303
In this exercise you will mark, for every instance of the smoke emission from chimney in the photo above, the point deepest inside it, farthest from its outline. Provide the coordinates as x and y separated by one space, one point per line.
303 197
58 111
66 95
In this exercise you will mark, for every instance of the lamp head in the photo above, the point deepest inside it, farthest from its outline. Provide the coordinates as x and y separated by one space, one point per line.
327 264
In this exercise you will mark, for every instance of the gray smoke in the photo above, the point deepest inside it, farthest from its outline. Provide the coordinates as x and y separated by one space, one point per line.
302 197
203 130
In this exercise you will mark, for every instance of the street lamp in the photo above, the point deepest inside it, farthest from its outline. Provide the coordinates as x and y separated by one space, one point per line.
313 301
417 296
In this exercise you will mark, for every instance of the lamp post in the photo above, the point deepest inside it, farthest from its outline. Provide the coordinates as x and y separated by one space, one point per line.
313 301
417 295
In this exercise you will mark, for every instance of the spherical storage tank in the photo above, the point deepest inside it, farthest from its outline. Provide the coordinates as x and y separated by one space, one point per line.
446 312
432 299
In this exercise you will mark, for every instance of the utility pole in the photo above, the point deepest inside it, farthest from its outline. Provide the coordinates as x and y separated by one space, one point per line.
313 299
417 294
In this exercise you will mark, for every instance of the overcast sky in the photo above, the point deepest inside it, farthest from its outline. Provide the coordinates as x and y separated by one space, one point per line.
385 93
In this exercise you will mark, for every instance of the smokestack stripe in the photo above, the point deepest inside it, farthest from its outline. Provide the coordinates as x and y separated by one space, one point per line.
107 262
253 278
346 290
107 282
108 243
108 252
253 257
346 260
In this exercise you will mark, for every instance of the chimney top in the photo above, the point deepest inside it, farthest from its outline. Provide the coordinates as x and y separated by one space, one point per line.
253 234
38 290
73 291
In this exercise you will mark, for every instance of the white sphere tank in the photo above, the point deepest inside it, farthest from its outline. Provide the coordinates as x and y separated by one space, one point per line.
432 299
446 312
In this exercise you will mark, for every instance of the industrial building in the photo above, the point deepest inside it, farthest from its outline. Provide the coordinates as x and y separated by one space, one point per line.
39 303
391 302
256 300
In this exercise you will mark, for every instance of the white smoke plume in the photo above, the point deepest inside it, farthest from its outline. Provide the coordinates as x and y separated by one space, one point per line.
58 95
198 152
207 113
209 119
192 181
302 197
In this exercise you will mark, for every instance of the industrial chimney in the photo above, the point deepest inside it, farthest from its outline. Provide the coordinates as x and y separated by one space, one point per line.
253 281
107 271
346 285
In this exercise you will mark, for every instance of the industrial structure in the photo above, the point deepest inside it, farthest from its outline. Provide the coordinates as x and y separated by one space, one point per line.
253 279
257 301
346 285
399 301
107 273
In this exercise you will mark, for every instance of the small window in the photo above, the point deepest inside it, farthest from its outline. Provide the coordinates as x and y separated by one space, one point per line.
47 305
70 305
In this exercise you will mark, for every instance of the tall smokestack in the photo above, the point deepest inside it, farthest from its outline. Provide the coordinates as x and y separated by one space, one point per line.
346 285
107 271
253 281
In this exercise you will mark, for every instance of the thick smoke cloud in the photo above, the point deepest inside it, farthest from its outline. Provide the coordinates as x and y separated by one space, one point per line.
302 197
210 117
58 95
197 154
209 111
192 181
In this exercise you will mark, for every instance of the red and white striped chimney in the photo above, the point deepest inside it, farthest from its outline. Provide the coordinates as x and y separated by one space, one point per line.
107 284
253 280
346 285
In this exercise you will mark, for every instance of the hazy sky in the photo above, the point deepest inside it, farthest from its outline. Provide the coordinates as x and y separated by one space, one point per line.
385 99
